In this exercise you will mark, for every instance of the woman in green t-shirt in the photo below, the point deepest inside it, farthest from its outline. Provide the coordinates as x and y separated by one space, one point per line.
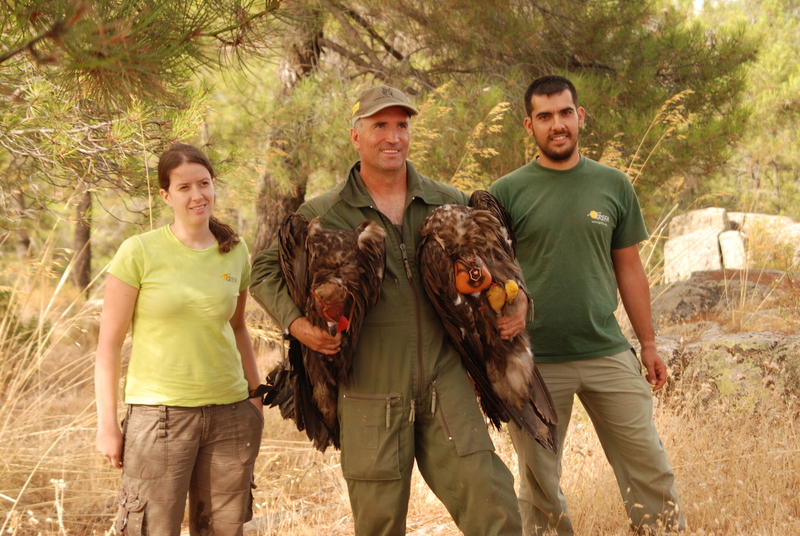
191 427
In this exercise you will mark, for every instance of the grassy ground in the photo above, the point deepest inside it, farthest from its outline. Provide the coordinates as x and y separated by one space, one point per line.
737 472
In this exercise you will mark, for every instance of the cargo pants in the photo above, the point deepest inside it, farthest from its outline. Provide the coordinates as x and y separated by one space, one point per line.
619 402
207 452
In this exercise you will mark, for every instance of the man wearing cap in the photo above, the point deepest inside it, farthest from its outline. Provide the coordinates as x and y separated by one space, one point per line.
410 397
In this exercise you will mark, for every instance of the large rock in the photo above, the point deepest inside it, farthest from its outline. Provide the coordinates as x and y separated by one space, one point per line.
732 248
705 218
783 371
707 295
691 252
730 369
712 238
781 231
749 222
667 347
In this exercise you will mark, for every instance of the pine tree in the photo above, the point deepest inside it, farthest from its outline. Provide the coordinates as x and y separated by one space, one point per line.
90 91
663 91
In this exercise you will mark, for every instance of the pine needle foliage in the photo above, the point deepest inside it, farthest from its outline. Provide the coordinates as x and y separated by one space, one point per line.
92 92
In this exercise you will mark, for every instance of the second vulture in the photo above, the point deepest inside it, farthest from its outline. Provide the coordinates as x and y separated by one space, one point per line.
466 258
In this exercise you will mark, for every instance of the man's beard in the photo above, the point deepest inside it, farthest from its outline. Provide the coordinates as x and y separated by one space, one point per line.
565 153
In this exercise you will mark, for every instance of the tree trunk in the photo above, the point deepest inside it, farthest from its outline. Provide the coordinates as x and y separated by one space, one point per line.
82 272
300 59
272 208
23 241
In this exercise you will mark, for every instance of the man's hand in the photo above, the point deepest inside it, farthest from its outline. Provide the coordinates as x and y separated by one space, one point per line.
512 325
656 369
315 338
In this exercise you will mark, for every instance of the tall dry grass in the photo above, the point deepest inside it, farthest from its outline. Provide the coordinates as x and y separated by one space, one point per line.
737 472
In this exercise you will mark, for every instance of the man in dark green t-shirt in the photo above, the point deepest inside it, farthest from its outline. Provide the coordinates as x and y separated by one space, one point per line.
578 225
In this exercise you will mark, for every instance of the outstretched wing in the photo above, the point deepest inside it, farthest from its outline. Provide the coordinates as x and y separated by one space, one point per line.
459 314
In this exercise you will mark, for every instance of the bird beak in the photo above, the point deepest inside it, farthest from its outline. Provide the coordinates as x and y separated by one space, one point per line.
332 328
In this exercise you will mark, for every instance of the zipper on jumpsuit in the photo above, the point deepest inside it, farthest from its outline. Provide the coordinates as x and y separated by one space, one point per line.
417 318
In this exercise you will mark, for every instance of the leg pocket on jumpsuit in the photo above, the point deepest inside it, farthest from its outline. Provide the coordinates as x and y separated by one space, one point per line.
370 435
145 442
131 518
461 419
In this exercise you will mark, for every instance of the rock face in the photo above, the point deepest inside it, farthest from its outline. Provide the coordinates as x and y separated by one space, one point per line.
711 364
730 366
710 293
713 239
731 246
704 218
692 252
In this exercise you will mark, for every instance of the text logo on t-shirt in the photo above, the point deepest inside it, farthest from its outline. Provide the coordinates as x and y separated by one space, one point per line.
228 277
599 217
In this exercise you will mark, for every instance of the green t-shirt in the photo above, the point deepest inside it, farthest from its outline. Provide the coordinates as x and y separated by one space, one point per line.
567 223
184 350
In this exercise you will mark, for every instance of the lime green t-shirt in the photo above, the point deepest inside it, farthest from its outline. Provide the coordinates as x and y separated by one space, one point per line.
567 223
184 350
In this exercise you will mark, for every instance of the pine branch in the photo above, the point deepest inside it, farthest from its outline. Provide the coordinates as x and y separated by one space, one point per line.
342 51
337 13
371 31
59 28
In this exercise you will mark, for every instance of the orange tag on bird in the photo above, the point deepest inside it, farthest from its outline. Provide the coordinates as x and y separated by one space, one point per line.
472 276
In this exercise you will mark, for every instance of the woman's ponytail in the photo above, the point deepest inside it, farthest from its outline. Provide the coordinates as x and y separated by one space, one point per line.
225 234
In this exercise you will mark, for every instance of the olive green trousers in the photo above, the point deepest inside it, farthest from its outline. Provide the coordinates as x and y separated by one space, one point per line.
444 431
619 402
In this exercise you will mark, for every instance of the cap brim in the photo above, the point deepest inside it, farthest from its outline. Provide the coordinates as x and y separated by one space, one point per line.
410 109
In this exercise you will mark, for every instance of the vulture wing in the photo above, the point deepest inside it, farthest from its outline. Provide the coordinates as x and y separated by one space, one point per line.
334 277
458 315
483 200
289 384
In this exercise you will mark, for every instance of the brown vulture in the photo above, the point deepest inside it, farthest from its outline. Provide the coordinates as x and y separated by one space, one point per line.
334 277
466 258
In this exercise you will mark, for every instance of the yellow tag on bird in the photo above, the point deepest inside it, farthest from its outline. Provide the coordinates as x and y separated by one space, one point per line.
497 297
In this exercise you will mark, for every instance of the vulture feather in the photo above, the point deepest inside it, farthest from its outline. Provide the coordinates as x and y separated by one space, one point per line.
466 259
334 277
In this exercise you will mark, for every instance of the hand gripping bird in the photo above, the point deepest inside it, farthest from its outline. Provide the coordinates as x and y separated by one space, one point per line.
466 258
334 277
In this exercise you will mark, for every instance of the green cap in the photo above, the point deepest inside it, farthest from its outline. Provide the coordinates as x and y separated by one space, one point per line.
376 99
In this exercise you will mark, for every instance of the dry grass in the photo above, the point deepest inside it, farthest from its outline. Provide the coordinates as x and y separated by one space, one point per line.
737 472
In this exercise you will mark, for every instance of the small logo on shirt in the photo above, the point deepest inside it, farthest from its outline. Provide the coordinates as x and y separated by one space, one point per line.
228 277
599 217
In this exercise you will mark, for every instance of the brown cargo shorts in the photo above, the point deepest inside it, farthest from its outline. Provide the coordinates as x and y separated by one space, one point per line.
207 453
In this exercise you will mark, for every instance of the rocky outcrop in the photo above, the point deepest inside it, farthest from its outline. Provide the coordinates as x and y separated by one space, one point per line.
710 361
711 293
714 239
